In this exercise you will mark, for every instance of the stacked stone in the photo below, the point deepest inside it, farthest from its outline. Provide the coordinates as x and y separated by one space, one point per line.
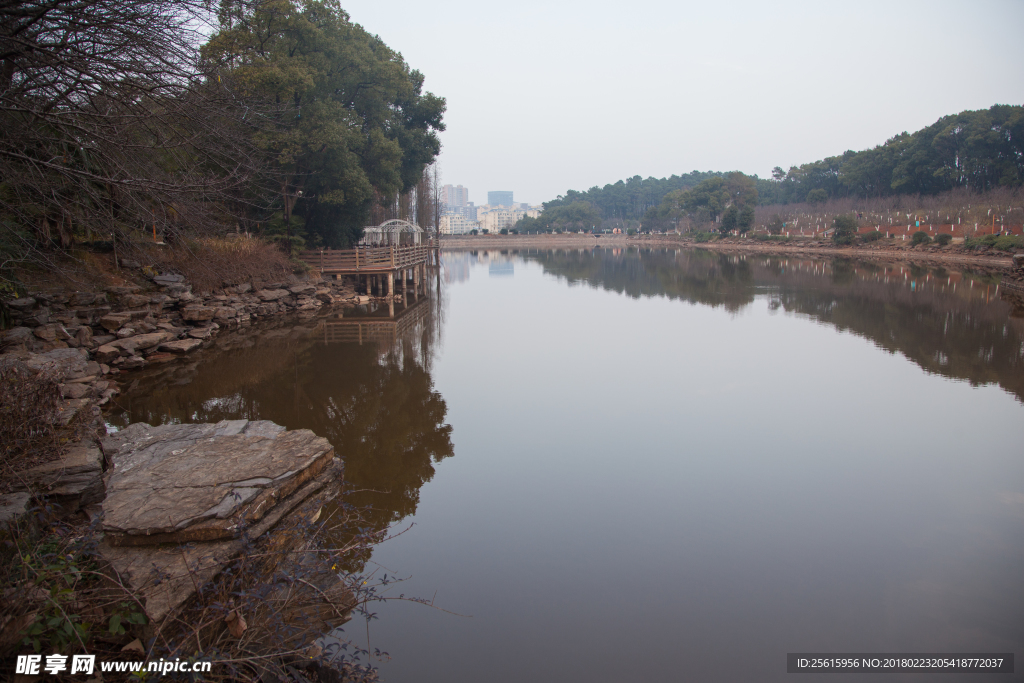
125 327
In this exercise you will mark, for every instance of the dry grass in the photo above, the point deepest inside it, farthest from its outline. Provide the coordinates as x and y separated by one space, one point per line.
210 263
30 429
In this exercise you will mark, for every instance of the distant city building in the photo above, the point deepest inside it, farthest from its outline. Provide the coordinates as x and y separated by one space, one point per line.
499 217
453 196
500 198
454 224
468 211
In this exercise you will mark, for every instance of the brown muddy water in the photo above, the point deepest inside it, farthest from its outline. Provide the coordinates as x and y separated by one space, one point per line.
627 465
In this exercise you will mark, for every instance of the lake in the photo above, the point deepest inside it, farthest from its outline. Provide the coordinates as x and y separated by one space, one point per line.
649 465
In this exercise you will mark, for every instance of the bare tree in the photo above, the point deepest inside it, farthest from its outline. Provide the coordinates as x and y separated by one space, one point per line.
109 125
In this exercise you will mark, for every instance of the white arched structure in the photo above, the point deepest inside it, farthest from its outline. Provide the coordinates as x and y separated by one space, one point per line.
391 232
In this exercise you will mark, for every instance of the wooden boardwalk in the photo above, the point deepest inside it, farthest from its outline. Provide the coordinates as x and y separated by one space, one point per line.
408 263
368 260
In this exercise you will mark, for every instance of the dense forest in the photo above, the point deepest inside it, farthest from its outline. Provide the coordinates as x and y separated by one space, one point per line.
120 118
974 150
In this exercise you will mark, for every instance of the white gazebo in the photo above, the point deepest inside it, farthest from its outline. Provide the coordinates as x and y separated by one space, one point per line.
394 231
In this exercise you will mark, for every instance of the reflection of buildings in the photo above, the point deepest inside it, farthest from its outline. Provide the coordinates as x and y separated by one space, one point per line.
501 269
455 265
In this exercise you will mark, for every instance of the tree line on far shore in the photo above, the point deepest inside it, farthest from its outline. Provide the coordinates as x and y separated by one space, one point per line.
978 151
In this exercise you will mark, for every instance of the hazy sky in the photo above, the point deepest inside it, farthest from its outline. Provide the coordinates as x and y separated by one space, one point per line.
548 96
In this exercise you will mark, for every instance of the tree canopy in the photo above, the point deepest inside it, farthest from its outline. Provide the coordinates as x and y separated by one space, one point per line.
116 118
979 150
356 125
727 197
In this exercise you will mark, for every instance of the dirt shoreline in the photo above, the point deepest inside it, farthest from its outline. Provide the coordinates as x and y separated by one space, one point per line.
938 255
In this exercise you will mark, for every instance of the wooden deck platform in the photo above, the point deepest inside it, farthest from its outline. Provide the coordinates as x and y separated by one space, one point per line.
366 260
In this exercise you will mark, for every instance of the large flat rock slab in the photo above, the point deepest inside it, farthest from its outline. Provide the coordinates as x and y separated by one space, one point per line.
164 577
202 482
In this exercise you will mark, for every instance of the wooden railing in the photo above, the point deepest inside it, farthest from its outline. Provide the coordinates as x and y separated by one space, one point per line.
366 258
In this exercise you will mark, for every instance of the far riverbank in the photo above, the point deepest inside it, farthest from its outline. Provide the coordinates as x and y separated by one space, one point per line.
887 250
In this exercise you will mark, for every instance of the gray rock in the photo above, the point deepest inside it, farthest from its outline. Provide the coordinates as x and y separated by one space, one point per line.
39 317
200 332
74 390
16 336
84 336
13 505
78 476
125 332
204 482
135 300
130 345
23 304
181 345
302 288
243 288
133 363
165 580
66 363
198 313
166 279
115 321
90 316
272 294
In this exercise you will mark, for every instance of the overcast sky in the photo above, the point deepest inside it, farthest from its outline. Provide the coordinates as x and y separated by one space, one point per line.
548 96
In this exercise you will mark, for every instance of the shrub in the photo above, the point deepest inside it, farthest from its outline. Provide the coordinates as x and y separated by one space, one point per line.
30 407
872 236
920 237
776 225
703 237
844 229
631 231
943 239
1003 242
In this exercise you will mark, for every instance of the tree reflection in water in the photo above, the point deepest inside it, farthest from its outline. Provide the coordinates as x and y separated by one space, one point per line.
950 322
373 401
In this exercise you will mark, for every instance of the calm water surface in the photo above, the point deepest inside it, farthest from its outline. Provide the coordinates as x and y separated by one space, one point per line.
649 465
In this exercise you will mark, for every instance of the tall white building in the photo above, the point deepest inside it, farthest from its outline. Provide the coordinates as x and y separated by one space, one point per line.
454 196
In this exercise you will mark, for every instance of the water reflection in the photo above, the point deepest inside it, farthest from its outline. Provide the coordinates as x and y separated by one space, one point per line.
955 323
360 378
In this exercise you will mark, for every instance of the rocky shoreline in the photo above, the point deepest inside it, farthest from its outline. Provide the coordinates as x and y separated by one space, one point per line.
128 327
86 340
